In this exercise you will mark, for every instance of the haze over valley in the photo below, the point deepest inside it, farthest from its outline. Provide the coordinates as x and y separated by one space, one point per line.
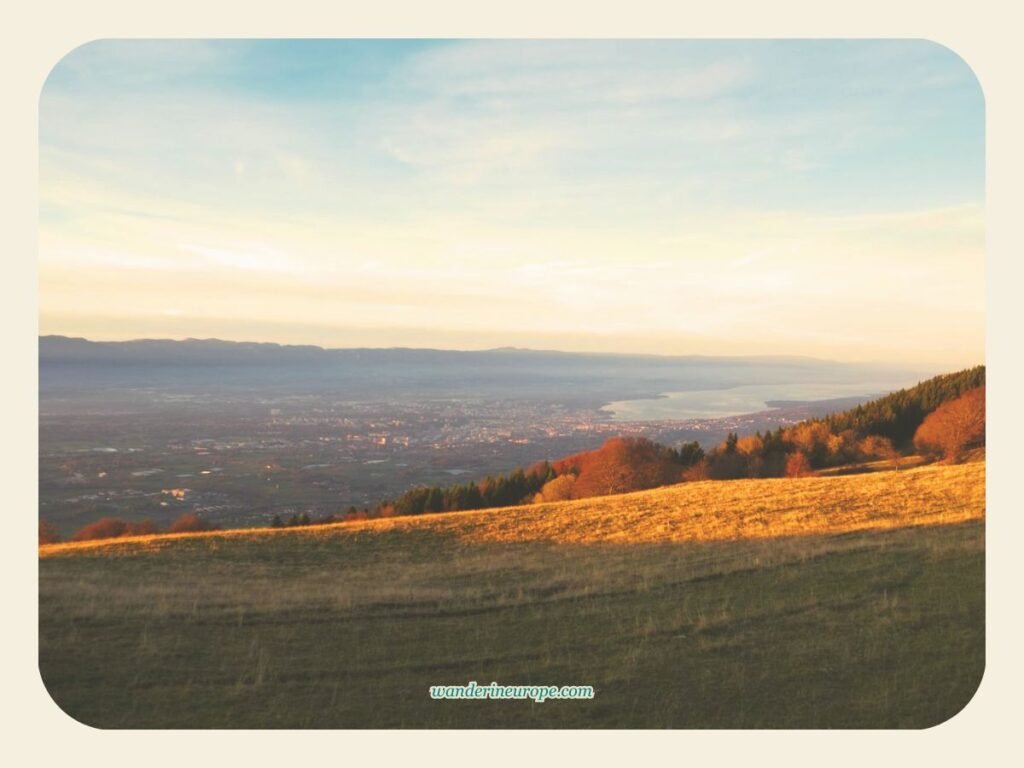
238 433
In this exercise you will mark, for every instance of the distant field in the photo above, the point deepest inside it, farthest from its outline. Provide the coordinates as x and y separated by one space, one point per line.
853 601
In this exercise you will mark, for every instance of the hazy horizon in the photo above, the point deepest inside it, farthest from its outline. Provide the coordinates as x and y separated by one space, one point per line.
810 198
510 347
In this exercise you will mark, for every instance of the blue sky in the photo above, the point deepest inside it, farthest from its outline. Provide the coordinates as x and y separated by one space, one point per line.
807 197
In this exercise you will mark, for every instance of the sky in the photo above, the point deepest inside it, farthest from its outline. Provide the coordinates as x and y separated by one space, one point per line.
821 198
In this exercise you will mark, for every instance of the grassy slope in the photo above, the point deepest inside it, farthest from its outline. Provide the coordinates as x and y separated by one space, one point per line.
825 602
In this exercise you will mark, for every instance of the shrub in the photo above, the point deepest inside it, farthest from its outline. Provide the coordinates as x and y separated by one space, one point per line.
104 528
112 528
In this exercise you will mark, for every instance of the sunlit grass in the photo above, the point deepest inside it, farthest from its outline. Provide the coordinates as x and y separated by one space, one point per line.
865 608
703 511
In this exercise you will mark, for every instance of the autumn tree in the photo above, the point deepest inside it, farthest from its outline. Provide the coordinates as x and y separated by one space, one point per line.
812 438
751 448
621 465
798 465
557 489
953 427
112 528
104 528
878 447
843 447
697 472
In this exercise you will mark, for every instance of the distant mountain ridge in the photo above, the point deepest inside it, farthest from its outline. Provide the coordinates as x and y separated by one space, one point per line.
210 365
67 349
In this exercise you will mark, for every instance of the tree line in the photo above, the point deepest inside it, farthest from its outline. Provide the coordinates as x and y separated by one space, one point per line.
939 418
620 465
899 415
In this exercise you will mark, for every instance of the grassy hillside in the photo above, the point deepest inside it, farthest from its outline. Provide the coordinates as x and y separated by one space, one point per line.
851 601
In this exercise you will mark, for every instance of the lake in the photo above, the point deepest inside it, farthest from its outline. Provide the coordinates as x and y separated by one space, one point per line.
736 401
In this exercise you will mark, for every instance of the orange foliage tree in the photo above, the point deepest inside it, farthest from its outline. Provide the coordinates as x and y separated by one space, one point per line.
878 447
812 439
751 449
557 489
798 465
954 426
697 472
621 465
112 528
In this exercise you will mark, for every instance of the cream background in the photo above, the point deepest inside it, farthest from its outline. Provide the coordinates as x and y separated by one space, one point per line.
984 33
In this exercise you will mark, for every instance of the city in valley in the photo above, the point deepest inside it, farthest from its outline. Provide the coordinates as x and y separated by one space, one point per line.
143 440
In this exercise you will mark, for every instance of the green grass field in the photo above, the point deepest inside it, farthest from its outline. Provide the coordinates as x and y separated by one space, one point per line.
349 626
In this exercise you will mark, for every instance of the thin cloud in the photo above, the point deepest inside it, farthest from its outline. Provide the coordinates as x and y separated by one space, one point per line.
658 190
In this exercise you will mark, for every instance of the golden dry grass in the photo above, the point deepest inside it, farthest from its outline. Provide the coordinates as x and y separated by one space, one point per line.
853 601
702 511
